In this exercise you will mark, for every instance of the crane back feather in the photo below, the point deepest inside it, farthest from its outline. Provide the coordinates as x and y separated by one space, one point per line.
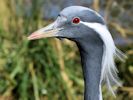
109 70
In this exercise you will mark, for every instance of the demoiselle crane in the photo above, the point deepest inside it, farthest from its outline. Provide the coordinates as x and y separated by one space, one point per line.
96 46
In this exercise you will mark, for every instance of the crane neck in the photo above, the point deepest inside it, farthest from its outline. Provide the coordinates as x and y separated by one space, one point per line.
91 59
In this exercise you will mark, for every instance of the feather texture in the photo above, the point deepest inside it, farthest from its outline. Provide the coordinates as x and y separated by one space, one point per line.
109 70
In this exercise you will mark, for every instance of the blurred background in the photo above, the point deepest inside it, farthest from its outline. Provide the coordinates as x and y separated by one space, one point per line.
49 69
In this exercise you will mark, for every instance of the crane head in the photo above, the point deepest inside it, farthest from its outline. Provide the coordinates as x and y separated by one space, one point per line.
87 28
70 24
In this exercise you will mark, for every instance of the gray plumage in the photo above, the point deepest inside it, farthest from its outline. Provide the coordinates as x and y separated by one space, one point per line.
96 46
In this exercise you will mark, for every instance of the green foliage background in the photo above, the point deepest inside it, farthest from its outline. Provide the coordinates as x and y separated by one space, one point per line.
48 69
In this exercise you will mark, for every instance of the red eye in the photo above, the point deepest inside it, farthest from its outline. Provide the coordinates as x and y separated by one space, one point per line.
76 20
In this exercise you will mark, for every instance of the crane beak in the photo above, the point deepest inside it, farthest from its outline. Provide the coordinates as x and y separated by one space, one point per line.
48 31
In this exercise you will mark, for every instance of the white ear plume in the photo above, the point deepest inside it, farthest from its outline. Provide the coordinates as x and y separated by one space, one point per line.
109 70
